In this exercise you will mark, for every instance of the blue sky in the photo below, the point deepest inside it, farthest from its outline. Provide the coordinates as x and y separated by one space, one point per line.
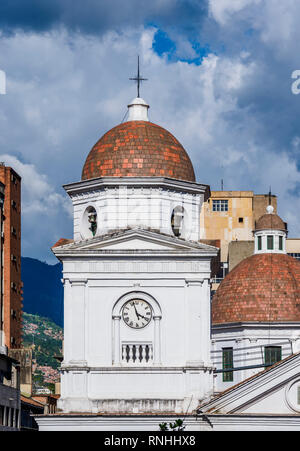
219 78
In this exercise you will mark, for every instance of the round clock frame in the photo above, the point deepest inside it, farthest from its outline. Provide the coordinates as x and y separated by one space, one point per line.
137 313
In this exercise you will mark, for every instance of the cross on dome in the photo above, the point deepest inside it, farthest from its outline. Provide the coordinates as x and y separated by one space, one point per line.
138 78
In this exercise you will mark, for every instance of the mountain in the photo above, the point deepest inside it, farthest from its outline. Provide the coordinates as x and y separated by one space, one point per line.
43 290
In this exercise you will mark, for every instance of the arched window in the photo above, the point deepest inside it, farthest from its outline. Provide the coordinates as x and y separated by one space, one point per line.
177 220
89 223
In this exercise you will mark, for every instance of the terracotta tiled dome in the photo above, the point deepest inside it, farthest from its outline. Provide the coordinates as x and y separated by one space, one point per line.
263 287
270 222
138 149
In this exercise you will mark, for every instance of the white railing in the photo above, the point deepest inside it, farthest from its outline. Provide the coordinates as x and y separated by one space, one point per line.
137 353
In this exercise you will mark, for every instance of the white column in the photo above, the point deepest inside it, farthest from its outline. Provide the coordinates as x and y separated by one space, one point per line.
117 344
67 320
78 322
157 339
197 308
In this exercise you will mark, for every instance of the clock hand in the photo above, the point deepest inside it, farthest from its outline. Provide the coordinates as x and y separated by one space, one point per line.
137 314
143 317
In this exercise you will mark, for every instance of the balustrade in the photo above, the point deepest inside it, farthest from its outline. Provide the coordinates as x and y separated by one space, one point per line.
137 353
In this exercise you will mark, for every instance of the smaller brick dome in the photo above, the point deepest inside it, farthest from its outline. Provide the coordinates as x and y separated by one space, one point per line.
262 288
270 221
138 149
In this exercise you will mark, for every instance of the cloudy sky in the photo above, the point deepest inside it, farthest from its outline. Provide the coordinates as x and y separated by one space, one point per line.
220 78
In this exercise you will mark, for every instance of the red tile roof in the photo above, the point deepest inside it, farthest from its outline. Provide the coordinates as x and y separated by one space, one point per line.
62 241
138 149
31 401
263 288
270 222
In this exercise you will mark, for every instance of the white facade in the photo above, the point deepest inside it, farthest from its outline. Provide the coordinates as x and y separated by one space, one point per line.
248 342
278 241
132 254
147 203
268 401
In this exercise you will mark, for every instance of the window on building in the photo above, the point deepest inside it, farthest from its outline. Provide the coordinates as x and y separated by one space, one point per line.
259 243
177 220
270 242
220 205
272 354
280 243
227 361
295 255
241 220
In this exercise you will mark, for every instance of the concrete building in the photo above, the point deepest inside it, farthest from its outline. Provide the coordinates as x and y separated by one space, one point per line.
231 215
238 250
10 405
24 357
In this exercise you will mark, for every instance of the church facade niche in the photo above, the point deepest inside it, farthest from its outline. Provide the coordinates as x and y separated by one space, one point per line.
89 222
179 222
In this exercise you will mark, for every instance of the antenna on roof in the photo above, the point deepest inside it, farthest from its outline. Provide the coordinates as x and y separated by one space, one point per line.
138 78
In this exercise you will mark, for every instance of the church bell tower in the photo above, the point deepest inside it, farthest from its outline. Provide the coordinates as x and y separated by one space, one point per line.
136 277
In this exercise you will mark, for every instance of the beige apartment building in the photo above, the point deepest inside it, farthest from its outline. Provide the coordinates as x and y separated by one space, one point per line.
230 216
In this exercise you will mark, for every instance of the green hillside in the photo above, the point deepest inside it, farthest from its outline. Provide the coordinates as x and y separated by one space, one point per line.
45 339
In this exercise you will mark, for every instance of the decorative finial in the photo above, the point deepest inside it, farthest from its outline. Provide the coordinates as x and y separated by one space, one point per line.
138 78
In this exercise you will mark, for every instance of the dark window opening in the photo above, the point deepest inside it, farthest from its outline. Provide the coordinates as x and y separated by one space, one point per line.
272 354
259 243
227 360
270 242
177 220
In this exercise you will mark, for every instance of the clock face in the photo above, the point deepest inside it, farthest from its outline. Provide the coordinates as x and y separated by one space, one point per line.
137 313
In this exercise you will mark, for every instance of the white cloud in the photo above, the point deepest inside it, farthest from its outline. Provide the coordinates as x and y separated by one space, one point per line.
223 10
38 196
